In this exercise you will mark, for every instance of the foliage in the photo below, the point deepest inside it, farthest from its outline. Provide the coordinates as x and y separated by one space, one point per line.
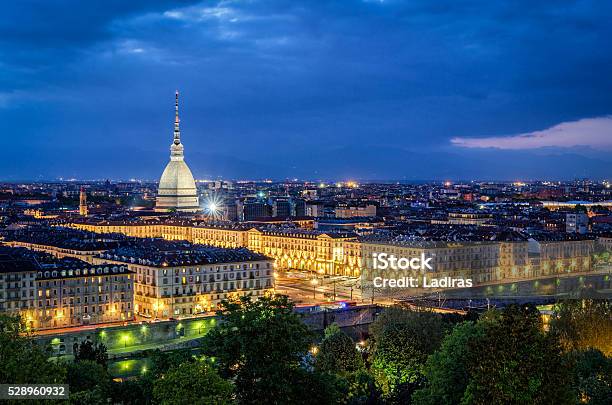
583 324
355 388
95 396
446 370
22 361
92 352
132 392
163 361
337 352
192 383
593 377
504 358
262 344
401 341
515 362
86 375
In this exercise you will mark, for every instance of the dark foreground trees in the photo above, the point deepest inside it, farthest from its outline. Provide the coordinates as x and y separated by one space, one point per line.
583 324
401 340
262 345
192 383
262 352
504 358
22 360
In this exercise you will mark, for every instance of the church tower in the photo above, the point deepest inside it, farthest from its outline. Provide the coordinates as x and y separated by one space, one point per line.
83 203
177 190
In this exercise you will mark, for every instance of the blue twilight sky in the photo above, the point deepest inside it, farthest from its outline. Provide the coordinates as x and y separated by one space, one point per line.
365 89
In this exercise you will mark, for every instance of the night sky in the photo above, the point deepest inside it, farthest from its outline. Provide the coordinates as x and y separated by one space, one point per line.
371 89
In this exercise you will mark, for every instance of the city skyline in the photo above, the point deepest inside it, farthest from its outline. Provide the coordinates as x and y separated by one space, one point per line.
378 90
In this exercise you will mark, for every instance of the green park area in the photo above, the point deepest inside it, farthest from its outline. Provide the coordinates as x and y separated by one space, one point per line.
262 352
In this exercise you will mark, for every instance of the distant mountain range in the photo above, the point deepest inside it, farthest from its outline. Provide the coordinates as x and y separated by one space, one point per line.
351 162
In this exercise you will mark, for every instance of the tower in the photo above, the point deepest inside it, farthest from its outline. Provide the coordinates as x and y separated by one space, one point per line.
177 190
83 202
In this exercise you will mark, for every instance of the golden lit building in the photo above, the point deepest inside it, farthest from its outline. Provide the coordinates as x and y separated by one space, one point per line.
478 261
342 253
304 250
553 257
178 283
52 293
81 296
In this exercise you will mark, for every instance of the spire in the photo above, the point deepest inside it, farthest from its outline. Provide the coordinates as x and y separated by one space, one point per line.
177 131
176 149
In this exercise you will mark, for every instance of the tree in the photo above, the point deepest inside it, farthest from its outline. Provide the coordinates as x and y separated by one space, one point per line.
504 358
22 361
593 377
337 352
446 370
93 352
401 341
192 383
262 345
583 324
515 362
86 375
163 361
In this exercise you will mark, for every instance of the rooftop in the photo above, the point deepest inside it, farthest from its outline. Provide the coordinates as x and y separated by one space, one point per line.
162 253
18 259
67 238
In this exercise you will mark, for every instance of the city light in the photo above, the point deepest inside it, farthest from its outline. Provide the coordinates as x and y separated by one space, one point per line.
125 338
213 206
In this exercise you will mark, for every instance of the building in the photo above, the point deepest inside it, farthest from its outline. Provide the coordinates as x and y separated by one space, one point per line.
345 211
83 203
177 190
298 208
51 293
175 280
339 253
249 210
281 208
576 222
314 209
468 218
300 249
17 285
478 261
64 242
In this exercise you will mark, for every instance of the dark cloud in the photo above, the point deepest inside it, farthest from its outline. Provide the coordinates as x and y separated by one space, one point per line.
266 78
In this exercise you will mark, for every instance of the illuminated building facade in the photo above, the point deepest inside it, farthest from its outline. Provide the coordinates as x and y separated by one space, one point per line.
178 283
81 296
344 211
53 293
342 253
477 261
83 203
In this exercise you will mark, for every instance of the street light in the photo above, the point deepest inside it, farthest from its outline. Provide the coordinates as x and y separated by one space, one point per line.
314 283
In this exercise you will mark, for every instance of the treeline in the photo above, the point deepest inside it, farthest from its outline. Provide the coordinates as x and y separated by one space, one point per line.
262 353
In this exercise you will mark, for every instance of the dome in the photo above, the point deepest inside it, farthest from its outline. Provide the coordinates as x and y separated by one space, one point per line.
177 189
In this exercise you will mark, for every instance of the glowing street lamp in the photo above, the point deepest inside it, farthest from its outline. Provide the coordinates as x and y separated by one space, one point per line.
314 283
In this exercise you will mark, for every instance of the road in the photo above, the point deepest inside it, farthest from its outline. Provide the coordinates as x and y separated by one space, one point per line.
300 288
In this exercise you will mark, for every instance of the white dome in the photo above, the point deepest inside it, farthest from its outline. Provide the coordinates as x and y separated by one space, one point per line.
177 189
177 179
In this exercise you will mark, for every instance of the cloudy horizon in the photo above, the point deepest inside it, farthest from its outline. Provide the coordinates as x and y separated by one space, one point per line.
403 90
